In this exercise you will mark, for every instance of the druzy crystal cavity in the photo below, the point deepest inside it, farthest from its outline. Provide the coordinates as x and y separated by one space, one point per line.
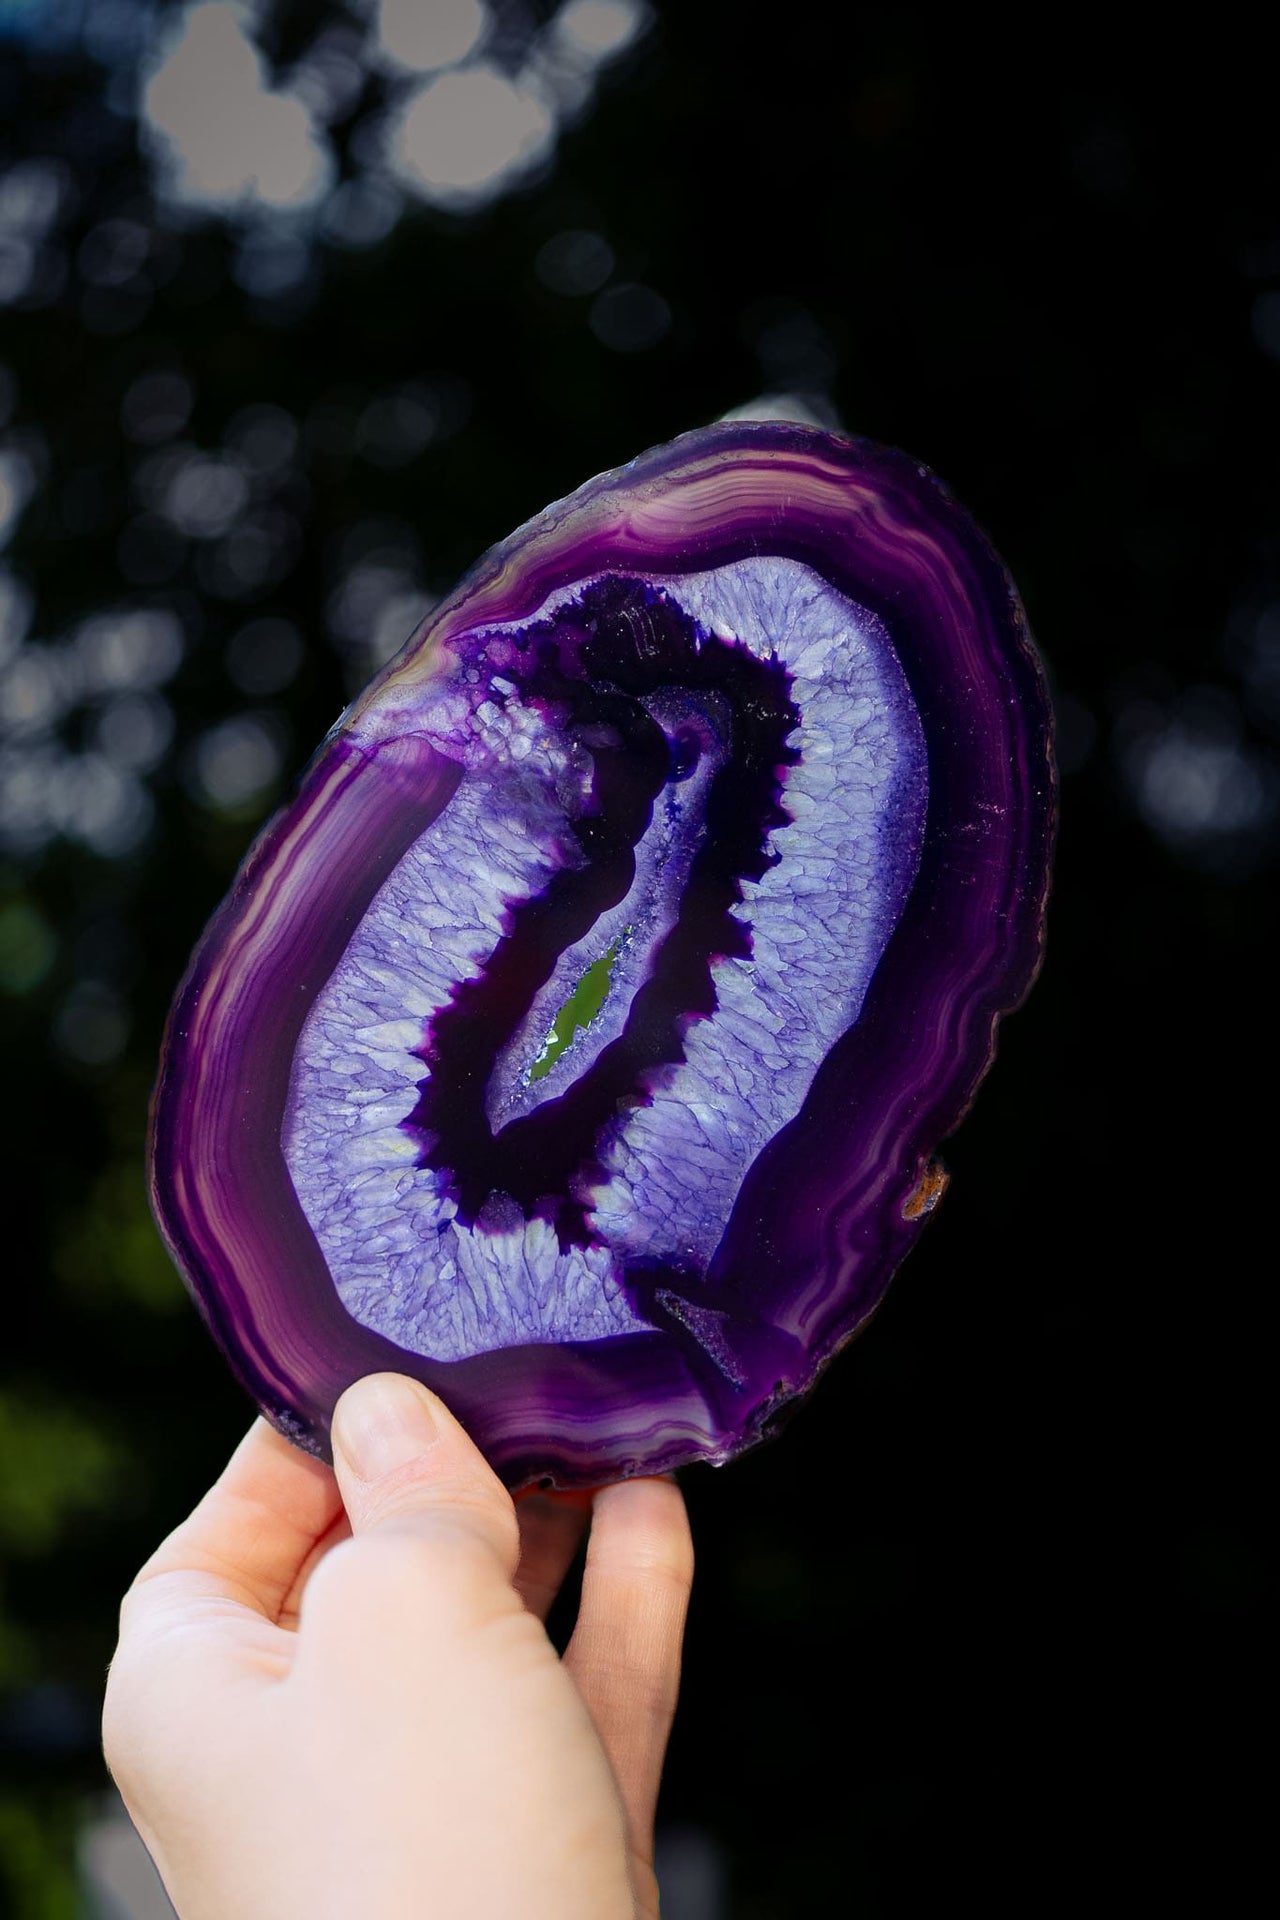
579 1037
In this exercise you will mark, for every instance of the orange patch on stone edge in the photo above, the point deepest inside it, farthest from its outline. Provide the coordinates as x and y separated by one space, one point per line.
932 1185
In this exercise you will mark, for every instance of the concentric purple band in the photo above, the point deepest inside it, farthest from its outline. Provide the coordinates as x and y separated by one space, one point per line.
825 1214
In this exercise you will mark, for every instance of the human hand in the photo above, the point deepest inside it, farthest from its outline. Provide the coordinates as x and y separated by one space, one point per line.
336 1697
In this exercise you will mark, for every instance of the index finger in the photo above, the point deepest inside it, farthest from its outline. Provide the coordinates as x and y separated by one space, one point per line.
251 1535
624 1655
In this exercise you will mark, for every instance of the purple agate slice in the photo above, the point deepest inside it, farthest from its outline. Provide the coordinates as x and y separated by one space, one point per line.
579 1037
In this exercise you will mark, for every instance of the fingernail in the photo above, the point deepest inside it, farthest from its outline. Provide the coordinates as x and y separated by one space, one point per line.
382 1423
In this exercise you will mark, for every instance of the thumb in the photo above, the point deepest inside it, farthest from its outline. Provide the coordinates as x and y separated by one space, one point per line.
406 1466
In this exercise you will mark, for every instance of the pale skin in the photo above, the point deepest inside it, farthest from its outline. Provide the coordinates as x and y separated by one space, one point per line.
334 1693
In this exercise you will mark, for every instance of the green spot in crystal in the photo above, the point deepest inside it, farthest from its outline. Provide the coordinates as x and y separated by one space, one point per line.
579 1010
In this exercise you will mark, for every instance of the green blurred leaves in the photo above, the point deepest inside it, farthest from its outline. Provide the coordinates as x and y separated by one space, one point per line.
55 1465
37 1875
27 947
110 1252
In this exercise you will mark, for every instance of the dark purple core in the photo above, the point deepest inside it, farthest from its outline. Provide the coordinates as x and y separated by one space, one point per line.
578 1038
595 664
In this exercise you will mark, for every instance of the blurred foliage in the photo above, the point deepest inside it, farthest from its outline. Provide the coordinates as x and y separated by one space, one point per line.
27 947
110 1254
16 1652
37 1837
53 1466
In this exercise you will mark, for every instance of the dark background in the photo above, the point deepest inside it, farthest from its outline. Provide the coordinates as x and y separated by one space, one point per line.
986 1620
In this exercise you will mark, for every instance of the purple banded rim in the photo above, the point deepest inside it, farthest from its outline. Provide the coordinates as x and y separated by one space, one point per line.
825 1213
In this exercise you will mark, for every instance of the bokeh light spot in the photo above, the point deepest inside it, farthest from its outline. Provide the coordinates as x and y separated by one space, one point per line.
396 427
465 135
427 37
138 648
235 763
263 436
101 805
17 482
32 692
600 29
630 318
574 262
223 136
205 496
361 212
92 1025
113 252
16 605
271 260
1196 780
135 730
